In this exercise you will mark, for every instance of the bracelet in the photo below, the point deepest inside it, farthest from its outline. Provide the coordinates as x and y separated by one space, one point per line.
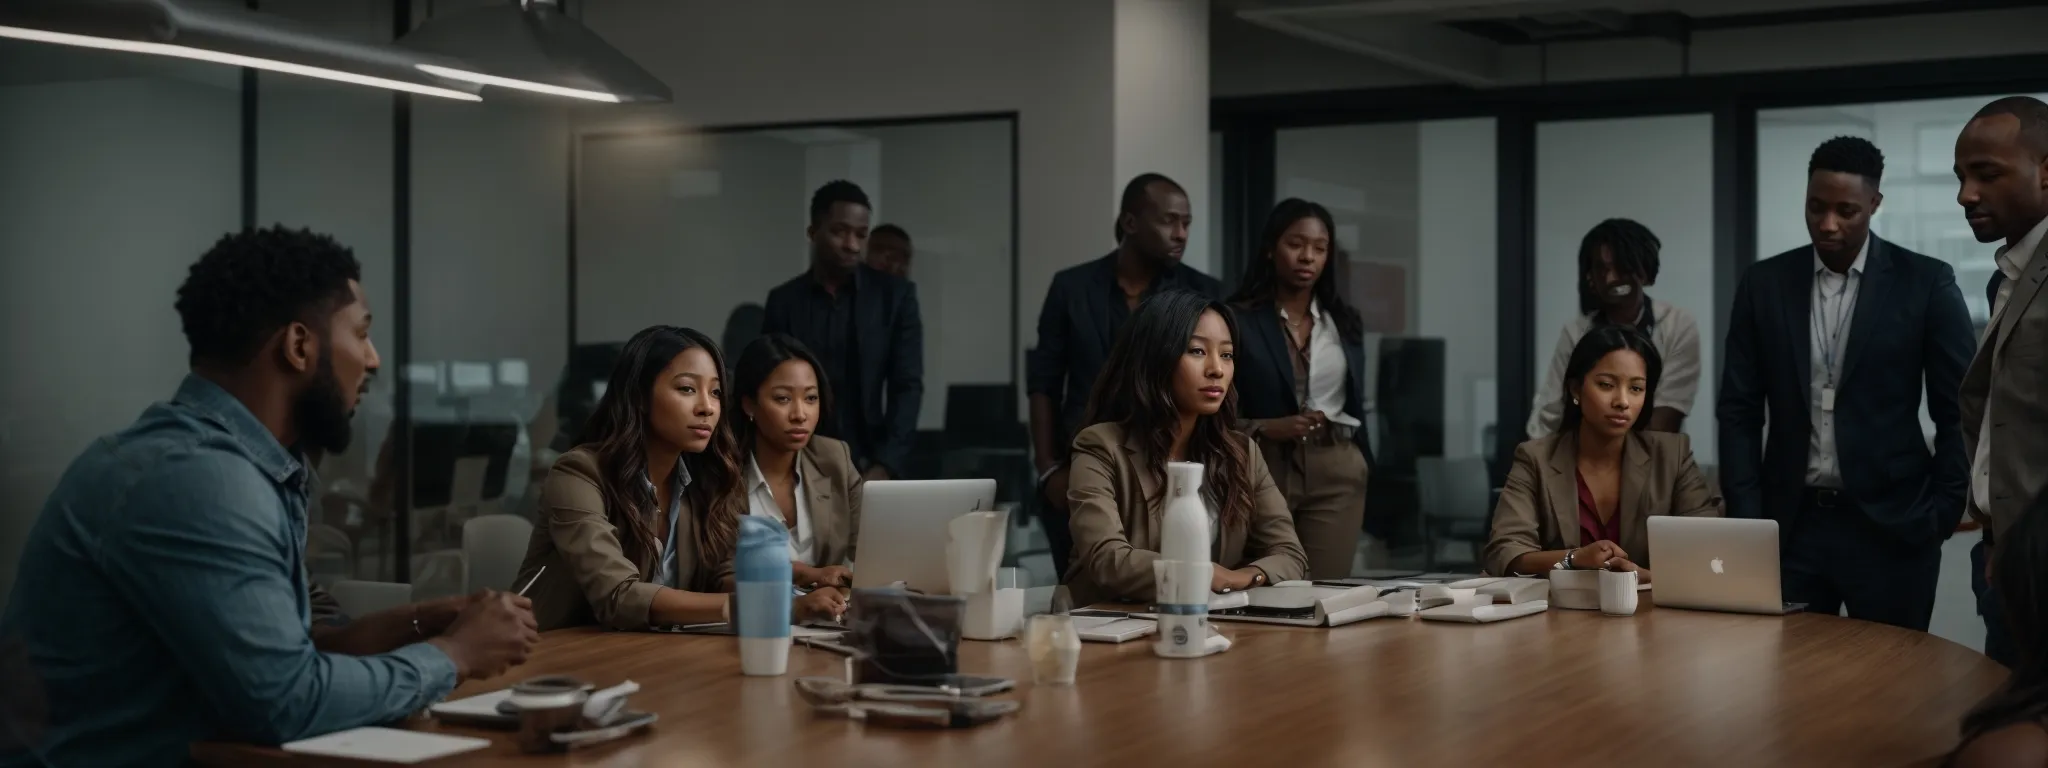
1566 563
416 622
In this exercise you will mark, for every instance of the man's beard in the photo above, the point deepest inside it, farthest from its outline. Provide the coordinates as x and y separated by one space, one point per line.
322 411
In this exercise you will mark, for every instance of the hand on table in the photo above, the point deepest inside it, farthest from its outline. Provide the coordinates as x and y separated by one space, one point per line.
1597 555
1226 580
822 604
493 633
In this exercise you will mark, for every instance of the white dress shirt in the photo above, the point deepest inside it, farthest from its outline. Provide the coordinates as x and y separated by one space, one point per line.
1326 367
1834 305
1677 339
2012 260
761 503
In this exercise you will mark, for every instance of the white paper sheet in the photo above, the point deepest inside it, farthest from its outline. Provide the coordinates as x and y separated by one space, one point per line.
386 745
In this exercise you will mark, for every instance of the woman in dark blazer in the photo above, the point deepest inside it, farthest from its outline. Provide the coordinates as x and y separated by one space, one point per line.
1164 396
637 519
1581 497
1301 382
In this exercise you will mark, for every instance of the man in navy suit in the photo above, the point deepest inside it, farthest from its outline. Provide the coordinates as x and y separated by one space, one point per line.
1833 345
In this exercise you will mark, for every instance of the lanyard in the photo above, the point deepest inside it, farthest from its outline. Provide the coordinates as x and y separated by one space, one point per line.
1831 341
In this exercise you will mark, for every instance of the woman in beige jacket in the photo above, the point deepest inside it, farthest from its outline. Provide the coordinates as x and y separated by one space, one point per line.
1580 498
1164 395
638 519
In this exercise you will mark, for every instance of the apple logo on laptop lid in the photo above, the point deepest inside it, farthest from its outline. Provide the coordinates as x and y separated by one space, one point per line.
1716 565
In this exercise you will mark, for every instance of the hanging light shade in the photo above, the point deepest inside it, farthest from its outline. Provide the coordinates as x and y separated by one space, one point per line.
532 46
225 33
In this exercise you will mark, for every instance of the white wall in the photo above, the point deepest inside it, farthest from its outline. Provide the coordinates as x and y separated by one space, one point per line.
1162 104
1658 171
111 189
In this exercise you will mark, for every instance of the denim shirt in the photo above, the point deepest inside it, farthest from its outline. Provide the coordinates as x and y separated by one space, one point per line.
162 600
665 566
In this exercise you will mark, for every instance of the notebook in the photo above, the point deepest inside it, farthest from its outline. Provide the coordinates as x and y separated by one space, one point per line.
386 745
1301 604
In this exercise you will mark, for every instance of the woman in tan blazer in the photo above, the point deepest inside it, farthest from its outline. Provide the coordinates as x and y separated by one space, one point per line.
1579 498
637 519
1164 395
806 482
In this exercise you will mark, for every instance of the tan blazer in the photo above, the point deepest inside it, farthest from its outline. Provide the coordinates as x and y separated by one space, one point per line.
832 487
1116 505
2017 395
1539 507
589 579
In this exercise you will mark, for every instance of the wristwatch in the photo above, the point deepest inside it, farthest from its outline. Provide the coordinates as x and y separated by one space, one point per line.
1566 563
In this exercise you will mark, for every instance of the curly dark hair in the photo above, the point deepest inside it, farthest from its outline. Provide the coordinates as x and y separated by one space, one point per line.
1848 154
254 282
837 191
1632 246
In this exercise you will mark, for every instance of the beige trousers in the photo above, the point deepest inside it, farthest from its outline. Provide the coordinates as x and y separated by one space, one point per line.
1324 483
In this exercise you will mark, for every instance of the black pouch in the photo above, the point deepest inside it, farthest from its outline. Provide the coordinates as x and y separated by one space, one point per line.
905 638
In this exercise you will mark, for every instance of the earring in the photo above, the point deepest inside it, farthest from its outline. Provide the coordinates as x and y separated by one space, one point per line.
1575 401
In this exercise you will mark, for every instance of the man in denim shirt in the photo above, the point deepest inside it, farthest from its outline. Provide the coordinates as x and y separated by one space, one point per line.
162 597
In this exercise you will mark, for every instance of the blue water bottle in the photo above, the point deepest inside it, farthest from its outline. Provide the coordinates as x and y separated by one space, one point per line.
761 600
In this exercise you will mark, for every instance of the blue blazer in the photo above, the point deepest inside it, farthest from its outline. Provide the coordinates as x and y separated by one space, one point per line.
1911 333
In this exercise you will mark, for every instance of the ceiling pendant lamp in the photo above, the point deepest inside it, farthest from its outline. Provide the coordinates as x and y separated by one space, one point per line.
225 33
531 45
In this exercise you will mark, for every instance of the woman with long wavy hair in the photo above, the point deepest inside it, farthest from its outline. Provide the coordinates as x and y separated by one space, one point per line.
640 515
2010 728
1303 387
1165 395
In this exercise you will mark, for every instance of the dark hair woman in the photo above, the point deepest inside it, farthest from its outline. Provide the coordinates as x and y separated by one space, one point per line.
1164 395
1301 381
807 482
637 518
1610 383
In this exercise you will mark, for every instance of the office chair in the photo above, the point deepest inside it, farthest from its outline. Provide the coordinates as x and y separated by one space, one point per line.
492 548
1455 497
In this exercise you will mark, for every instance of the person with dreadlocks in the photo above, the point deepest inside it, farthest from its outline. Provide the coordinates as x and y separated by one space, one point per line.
1830 346
1617 260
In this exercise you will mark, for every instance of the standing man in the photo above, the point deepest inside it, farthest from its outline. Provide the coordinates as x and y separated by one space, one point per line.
163 595
865 324
1084 309
2002 163
889 250
1831 345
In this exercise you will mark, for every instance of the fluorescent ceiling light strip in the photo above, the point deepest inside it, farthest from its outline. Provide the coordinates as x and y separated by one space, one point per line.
524 85
201 54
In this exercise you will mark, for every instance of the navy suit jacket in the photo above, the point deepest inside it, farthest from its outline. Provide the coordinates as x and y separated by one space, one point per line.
1265 372
891 333
1910 329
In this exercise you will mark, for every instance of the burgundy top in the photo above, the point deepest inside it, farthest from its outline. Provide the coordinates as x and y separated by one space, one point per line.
1590 527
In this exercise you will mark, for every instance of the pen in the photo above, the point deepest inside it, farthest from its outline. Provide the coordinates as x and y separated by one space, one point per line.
529 582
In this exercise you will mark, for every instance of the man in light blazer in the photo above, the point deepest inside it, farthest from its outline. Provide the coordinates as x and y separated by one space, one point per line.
2002 162
1832 344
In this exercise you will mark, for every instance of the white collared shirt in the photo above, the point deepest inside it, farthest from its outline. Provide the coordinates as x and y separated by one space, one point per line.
1327 368
1834 306
1677 339
761 503
2012 260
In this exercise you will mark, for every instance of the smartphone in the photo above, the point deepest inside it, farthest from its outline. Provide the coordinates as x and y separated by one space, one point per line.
970 685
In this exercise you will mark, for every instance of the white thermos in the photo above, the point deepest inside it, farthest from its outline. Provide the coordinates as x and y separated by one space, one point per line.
1183 573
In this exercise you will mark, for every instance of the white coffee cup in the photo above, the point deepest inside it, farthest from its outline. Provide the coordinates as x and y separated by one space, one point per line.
1618 593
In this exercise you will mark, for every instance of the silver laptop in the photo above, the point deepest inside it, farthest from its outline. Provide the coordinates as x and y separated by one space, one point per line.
1716 564
902 535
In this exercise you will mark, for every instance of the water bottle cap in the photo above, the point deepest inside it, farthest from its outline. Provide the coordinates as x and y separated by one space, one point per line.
758 531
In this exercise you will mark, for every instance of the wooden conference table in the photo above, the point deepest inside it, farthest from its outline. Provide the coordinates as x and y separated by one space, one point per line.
1664 688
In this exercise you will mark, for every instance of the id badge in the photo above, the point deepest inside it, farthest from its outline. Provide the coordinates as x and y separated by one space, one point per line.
1827 399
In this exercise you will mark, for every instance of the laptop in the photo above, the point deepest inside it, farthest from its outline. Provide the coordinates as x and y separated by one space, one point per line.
902 536
1716 564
